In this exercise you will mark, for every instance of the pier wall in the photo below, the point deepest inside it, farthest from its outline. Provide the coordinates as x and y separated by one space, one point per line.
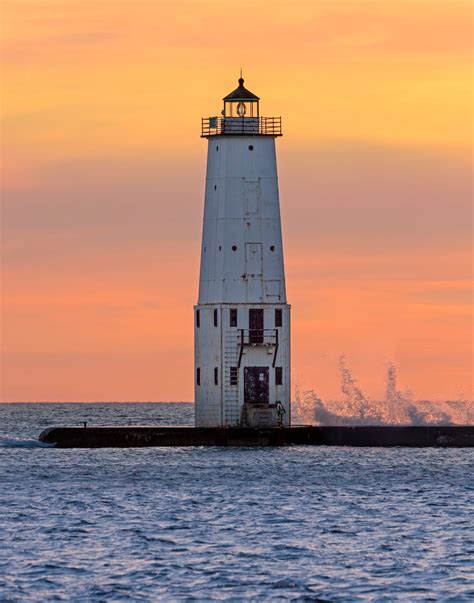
368 436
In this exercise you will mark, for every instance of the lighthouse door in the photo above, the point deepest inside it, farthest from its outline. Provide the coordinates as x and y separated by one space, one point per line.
256 385
253 259
256 325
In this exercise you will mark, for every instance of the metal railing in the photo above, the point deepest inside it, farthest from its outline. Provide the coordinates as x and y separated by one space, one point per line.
241 126
259 336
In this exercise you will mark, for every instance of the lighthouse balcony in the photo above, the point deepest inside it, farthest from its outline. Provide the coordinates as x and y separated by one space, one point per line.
241 126
258 337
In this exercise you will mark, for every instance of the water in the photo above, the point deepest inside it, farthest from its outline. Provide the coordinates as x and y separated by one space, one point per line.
181 524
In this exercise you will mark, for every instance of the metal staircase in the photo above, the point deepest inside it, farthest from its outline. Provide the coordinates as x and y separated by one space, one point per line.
249 415
231 392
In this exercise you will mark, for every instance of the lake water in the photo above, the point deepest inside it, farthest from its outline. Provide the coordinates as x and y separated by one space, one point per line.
201 524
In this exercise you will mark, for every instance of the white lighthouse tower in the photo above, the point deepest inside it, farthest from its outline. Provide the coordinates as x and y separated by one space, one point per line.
242 320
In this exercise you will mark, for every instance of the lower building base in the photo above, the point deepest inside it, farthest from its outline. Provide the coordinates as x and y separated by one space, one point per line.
260 415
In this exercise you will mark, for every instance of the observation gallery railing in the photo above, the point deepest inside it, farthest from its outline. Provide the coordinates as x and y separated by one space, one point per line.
243 126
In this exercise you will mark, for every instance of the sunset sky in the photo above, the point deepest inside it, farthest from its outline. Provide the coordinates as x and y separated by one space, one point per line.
103 188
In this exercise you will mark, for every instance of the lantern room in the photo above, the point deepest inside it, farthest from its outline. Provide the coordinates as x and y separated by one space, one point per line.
241 117
241 103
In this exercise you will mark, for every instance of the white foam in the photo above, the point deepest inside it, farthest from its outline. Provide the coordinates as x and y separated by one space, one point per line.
7 441
398 408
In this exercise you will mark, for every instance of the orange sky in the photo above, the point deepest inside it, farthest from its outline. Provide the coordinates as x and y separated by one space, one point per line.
103 177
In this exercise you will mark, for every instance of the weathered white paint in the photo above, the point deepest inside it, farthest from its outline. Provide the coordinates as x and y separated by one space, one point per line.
241 268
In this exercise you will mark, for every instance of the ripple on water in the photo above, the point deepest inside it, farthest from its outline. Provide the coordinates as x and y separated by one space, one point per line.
300 524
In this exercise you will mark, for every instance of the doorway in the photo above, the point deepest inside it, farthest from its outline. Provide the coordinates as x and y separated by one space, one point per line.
253 259
256 325
256 385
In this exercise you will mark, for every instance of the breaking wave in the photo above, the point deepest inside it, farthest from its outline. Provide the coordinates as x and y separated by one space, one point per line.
15 442
398 408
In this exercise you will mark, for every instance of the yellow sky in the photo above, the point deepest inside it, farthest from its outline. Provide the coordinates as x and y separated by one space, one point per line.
95 74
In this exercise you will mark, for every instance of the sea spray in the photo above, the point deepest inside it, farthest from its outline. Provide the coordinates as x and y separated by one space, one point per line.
356 404
398 408
7 441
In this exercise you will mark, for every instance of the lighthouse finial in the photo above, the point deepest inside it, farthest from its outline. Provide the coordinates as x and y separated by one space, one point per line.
241 79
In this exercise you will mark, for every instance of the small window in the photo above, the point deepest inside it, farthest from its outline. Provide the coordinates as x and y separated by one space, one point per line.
198 376
250 147
272 247
215 187
233 317
234 247
216 376
234 375
198 319
215 317
217 148
278 317
278 375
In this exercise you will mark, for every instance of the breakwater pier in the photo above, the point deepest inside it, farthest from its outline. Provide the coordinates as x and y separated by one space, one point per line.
368 436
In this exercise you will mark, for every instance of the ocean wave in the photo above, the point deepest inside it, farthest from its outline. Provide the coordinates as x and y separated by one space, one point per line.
398 408
7 441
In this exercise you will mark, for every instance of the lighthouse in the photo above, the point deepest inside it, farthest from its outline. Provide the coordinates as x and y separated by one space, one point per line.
242 318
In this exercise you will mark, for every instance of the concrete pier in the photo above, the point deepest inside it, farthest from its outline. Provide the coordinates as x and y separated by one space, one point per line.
369 436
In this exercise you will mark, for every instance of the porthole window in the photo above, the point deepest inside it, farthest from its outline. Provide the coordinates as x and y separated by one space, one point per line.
234 247
272 247
217 148
250 147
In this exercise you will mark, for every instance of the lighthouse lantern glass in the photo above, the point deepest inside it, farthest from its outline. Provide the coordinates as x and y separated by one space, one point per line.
240 108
